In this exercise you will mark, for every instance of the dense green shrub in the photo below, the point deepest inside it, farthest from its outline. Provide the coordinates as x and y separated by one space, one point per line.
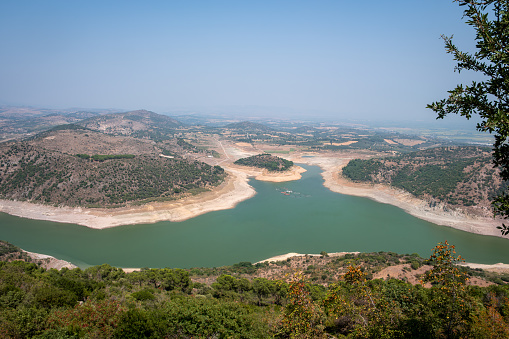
267 161
104 302
44 176
444 173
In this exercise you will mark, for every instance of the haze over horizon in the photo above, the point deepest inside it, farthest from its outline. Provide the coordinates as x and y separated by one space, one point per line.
336 59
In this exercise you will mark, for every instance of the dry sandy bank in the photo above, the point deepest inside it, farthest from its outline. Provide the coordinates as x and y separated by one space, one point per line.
497 268
233 190
283 257
294 173
227 195
48 262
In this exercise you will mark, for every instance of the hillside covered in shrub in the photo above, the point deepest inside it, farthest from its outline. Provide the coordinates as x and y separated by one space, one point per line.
267 161
458 176
74 166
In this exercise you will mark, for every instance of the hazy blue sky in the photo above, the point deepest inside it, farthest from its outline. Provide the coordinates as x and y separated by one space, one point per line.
352 59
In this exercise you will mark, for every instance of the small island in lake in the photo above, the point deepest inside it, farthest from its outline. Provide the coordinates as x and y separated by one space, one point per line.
267 161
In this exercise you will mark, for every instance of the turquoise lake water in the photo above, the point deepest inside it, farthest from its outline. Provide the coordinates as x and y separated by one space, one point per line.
309 220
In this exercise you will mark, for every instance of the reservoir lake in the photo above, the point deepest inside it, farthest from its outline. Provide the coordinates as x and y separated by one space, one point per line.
307 218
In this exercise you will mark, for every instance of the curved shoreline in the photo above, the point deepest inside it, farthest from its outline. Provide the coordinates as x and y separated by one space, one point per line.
418 208
49 262
227 195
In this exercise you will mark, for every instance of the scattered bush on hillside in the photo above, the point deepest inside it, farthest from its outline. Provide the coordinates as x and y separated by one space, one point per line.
37 175
454 175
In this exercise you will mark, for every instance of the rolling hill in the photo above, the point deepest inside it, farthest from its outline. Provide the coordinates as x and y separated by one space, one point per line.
75 166
138 124
457 176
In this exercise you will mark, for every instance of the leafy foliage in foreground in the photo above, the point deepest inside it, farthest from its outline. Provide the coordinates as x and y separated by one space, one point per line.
489 99
105 302
267 161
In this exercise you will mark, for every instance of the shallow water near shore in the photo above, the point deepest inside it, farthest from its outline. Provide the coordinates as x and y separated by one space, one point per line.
306 218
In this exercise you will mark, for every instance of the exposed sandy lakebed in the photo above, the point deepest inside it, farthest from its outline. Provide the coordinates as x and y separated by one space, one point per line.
227 195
